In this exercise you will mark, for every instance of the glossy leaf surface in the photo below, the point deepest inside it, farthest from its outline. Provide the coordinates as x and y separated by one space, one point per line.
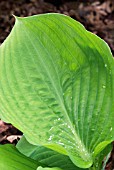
57 86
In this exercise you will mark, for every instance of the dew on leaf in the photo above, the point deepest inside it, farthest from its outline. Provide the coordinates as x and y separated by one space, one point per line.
111 129
92 129
59 142
51 128
50 138
105 65
104 86
73 131
68 126
83 149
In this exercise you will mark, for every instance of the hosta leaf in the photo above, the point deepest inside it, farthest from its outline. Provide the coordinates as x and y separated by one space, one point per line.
45 156
56 86
11 159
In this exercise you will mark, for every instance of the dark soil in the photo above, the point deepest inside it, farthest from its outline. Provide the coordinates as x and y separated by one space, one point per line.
97 16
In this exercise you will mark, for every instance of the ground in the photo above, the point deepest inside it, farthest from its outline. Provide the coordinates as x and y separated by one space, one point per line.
97 16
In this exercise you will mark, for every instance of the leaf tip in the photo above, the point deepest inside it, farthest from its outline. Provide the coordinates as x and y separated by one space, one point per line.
17 18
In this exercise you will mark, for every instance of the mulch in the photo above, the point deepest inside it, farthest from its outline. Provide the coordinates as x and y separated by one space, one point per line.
97 16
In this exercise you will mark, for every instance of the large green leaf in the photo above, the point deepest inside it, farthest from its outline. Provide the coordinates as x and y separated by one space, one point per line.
11 159
45 156
57 86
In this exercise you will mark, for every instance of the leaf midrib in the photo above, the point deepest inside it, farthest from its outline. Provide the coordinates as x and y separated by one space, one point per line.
80 144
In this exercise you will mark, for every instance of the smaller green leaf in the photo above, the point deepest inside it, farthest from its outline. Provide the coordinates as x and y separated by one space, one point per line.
40 168
12 159
46 156
98 162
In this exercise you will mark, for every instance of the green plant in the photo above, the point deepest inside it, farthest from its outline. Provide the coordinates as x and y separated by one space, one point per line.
57 87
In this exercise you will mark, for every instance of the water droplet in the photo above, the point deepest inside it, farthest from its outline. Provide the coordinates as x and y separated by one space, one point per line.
92 129
59 119
51 128
68 126
64 124
105 65
73 131
50 138
59 142
65 147
111 129
104 86
83 149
